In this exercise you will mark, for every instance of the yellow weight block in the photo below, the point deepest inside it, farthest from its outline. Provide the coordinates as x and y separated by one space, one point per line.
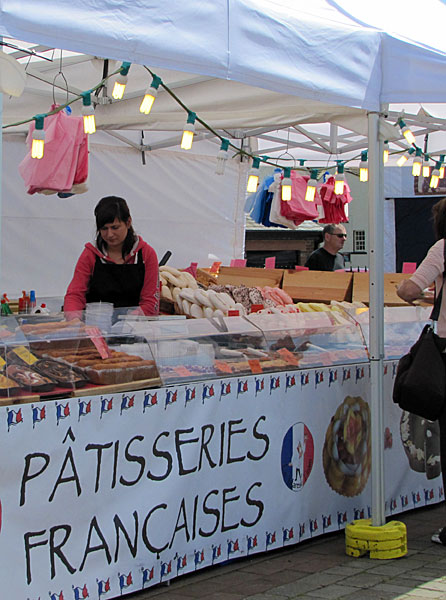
385 541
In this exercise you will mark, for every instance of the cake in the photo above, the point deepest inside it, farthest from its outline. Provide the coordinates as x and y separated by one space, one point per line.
60 373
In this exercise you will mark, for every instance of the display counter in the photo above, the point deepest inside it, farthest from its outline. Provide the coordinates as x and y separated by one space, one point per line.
107 491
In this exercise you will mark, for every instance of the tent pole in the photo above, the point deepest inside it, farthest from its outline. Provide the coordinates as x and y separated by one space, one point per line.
376 314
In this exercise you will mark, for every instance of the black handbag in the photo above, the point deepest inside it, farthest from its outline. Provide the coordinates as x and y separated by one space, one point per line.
420 381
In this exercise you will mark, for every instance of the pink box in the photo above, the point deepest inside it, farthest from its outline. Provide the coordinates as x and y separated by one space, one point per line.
409 267
270 262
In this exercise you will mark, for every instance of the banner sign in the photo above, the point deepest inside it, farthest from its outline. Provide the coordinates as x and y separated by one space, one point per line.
107 495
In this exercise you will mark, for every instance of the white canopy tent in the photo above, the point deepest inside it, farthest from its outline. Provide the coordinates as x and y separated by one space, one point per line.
307 62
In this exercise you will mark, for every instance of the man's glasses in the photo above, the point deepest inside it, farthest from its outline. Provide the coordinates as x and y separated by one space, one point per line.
340 235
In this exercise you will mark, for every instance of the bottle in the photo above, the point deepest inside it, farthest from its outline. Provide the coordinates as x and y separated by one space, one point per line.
5 309
32 300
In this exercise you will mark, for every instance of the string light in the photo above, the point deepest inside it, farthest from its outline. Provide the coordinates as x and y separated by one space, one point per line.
417 163
426 166
151 93
286 184
88 113
38 137
311 186
363 167
253 178
121 81
435 177
339 180
406 131
405 157
222 157
386 151
188 131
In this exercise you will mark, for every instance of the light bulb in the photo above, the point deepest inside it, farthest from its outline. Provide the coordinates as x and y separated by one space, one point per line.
402 159
89 120
405 130
149 98
417 164
121 82
119 87
435 178
286 185
38 143
386 152
310 192
253 182
363 168
426 169
222 157
405 157
441 170
253 178
188 132
339 180
188 136
339 184
38 137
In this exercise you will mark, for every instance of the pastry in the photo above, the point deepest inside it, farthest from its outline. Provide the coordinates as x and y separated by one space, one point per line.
29 379
421 442
62 374
347 449
8 386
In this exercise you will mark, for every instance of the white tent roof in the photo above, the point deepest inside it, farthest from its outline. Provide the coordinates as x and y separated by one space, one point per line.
247 68
345 53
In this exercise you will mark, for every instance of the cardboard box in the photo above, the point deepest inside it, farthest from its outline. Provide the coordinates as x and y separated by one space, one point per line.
250 276
318 286
391 280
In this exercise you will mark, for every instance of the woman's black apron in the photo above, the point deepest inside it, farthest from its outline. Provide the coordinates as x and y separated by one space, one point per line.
119 284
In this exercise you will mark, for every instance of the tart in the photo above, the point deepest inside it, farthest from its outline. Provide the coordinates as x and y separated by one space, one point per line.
347 448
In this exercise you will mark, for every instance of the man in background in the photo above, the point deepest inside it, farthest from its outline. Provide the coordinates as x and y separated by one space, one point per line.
327 257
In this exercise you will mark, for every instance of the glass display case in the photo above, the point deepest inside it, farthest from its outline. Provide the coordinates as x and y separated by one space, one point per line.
312 339
51 356
196 349
402 327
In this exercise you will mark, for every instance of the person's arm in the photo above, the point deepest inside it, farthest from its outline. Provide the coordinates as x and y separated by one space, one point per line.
432 266
75 297
409 291
149 297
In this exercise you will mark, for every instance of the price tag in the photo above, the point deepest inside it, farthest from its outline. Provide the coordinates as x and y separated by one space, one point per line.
223 366
233 313
255 366
2 364
182 371
25 355
288 356
95 335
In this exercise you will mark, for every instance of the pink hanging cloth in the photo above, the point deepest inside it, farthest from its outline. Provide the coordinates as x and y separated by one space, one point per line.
65 159
298 209
334 205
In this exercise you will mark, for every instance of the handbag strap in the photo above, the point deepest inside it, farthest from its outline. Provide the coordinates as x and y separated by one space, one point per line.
437 304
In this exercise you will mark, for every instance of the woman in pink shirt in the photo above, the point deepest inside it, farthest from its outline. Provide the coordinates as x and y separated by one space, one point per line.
120 268
431 271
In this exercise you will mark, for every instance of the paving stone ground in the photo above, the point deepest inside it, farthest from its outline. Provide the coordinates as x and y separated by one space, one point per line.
319 569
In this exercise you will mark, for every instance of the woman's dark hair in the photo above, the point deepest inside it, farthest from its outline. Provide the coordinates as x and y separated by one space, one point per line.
439 216
106 211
